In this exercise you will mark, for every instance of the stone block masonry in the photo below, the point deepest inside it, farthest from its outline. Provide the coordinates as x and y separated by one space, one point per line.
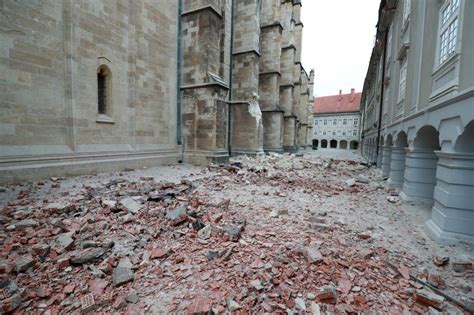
51 52
109 86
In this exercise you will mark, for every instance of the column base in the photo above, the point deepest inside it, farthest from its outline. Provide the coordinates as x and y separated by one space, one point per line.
290 149
236 152
444 237
420 200
394 183
273 150
198 157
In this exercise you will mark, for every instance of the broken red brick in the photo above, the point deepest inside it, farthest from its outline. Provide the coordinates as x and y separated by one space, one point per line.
345 285
10 304
327 295
199 306
440 261
462 266
69 289
428 298
97 286
159 253
63 263
87 303
405 272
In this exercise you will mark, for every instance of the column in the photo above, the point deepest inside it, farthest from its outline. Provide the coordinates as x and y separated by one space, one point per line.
397 166
386 159
452 216
379 156
420 176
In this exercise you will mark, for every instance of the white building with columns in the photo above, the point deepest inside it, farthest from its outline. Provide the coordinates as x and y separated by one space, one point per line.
418 109
336 121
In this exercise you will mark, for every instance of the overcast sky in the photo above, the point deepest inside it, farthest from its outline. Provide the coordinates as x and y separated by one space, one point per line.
338 37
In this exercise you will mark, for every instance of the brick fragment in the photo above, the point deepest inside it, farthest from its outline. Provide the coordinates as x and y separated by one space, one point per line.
159 253
428 298
199 306
462 266
327 295
87 303
10 304
63 263
22 264
313 255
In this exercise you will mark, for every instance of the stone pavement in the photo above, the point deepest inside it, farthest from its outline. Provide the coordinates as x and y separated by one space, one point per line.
310 234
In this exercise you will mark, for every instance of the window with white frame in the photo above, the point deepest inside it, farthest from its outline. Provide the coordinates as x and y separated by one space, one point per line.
406 10
354 132
344 121
333 133
356 121
403 81
448 30
325 122
324 133
343 133
334 122
316 122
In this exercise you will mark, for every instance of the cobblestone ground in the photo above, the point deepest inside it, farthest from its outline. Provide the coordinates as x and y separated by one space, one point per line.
279 234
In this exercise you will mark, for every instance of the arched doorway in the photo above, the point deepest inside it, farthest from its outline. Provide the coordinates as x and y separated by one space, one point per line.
343 144
315 144
324 143
333 144
354 145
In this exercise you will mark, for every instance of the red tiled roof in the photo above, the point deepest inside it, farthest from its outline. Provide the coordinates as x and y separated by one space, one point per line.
341 103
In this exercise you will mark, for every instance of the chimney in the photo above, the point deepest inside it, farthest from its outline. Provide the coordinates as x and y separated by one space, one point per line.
340 95
352 95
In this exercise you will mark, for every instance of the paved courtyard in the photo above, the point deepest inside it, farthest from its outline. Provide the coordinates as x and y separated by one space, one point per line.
316 233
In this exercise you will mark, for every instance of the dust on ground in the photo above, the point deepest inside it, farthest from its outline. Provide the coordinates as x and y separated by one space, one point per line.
274 234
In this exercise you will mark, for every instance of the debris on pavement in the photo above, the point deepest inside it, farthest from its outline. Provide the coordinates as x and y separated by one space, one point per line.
273 234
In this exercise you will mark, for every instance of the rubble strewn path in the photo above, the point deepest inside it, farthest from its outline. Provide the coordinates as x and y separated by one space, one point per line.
278 234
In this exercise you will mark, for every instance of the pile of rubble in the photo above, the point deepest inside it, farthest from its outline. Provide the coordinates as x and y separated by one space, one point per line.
209 245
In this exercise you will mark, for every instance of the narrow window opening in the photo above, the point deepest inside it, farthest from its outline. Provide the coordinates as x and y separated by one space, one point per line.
102 90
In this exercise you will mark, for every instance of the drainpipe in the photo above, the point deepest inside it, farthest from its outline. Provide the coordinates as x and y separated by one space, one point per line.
229 128
379 128
179 140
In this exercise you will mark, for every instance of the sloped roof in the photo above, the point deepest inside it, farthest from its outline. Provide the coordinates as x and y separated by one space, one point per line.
341 103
